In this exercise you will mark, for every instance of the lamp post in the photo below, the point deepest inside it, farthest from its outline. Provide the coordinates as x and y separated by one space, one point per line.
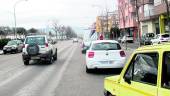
15 22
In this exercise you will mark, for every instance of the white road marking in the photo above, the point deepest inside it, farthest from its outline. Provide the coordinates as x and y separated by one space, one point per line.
38 82
18 74
53 84
15 76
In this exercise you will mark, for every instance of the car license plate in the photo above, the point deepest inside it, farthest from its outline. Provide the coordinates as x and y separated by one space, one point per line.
35 57
104 62
111 62
8 49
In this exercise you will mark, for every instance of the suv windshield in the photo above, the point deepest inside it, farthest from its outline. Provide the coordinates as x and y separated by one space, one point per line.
35 40
106 46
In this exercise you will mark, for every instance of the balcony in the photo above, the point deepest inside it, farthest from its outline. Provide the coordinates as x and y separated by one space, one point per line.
139 2
147 15
147 1
160 8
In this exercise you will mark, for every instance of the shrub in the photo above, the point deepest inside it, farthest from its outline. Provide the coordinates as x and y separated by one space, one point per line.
3 42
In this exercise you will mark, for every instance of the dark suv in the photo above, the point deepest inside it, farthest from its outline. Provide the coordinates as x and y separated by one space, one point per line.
146 38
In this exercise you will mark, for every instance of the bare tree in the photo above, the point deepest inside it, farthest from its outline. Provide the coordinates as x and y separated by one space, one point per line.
56 27
122 12
70 32
138 22
4 31
21 31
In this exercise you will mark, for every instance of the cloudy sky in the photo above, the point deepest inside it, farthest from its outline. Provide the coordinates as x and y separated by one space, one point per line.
79 14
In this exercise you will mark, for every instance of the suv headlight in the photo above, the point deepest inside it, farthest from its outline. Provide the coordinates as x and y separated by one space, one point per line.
4 48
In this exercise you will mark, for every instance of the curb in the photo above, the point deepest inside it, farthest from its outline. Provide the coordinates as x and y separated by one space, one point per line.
1 52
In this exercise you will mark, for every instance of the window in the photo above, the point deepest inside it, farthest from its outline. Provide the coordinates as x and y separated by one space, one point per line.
165 35
35 40
106 46
144 68
166 70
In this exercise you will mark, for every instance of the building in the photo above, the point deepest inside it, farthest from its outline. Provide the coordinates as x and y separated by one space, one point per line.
127 18
106 22
153 16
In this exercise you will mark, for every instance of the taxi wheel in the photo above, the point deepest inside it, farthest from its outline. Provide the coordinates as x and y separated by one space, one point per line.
26 62
109 94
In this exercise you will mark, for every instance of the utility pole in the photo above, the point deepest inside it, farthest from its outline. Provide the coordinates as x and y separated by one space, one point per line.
15 22
167 8
107 22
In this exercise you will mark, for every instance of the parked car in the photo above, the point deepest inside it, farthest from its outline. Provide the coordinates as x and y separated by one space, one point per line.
104 54
13 46
119 39
39 47
160 38
85 46
127 39
75 40
146 73
146 38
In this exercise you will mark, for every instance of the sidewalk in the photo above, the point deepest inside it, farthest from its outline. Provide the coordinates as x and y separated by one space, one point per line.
1 52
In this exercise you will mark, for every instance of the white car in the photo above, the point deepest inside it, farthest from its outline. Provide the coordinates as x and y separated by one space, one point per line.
160 38
75 40
39 47
104 54
127 39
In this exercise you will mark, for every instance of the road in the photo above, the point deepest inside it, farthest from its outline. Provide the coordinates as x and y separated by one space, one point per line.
65 77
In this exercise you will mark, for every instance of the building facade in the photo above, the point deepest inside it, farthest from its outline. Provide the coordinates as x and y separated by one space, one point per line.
153 16
127 18
105 23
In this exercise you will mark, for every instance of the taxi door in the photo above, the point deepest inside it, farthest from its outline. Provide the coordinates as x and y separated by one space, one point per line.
164 88
140 77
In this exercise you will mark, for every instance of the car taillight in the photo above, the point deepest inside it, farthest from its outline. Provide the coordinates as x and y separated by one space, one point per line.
46 44
83 45
90 54
122 54
23 46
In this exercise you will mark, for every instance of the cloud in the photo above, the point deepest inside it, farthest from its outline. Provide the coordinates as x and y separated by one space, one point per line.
36 13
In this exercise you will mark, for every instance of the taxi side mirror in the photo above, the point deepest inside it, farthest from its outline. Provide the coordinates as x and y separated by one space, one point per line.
127 79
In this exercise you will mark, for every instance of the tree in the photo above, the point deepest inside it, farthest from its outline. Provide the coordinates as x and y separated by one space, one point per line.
56 27
32 30
70 32
122 12
4 31
115 31
138 22
21 31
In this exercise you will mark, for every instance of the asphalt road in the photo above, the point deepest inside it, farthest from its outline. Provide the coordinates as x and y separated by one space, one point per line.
65 77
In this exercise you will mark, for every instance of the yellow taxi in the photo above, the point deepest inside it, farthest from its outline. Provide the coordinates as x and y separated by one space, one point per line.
147 73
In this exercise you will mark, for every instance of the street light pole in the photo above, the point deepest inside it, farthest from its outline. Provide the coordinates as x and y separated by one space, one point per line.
15 22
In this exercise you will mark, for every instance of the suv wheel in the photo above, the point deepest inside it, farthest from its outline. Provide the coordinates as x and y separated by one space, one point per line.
4 52
26 62
50 61
55 55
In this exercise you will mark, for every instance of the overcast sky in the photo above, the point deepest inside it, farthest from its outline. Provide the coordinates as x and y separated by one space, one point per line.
79 14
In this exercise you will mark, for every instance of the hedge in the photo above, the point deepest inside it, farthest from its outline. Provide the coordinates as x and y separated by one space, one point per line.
3 42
